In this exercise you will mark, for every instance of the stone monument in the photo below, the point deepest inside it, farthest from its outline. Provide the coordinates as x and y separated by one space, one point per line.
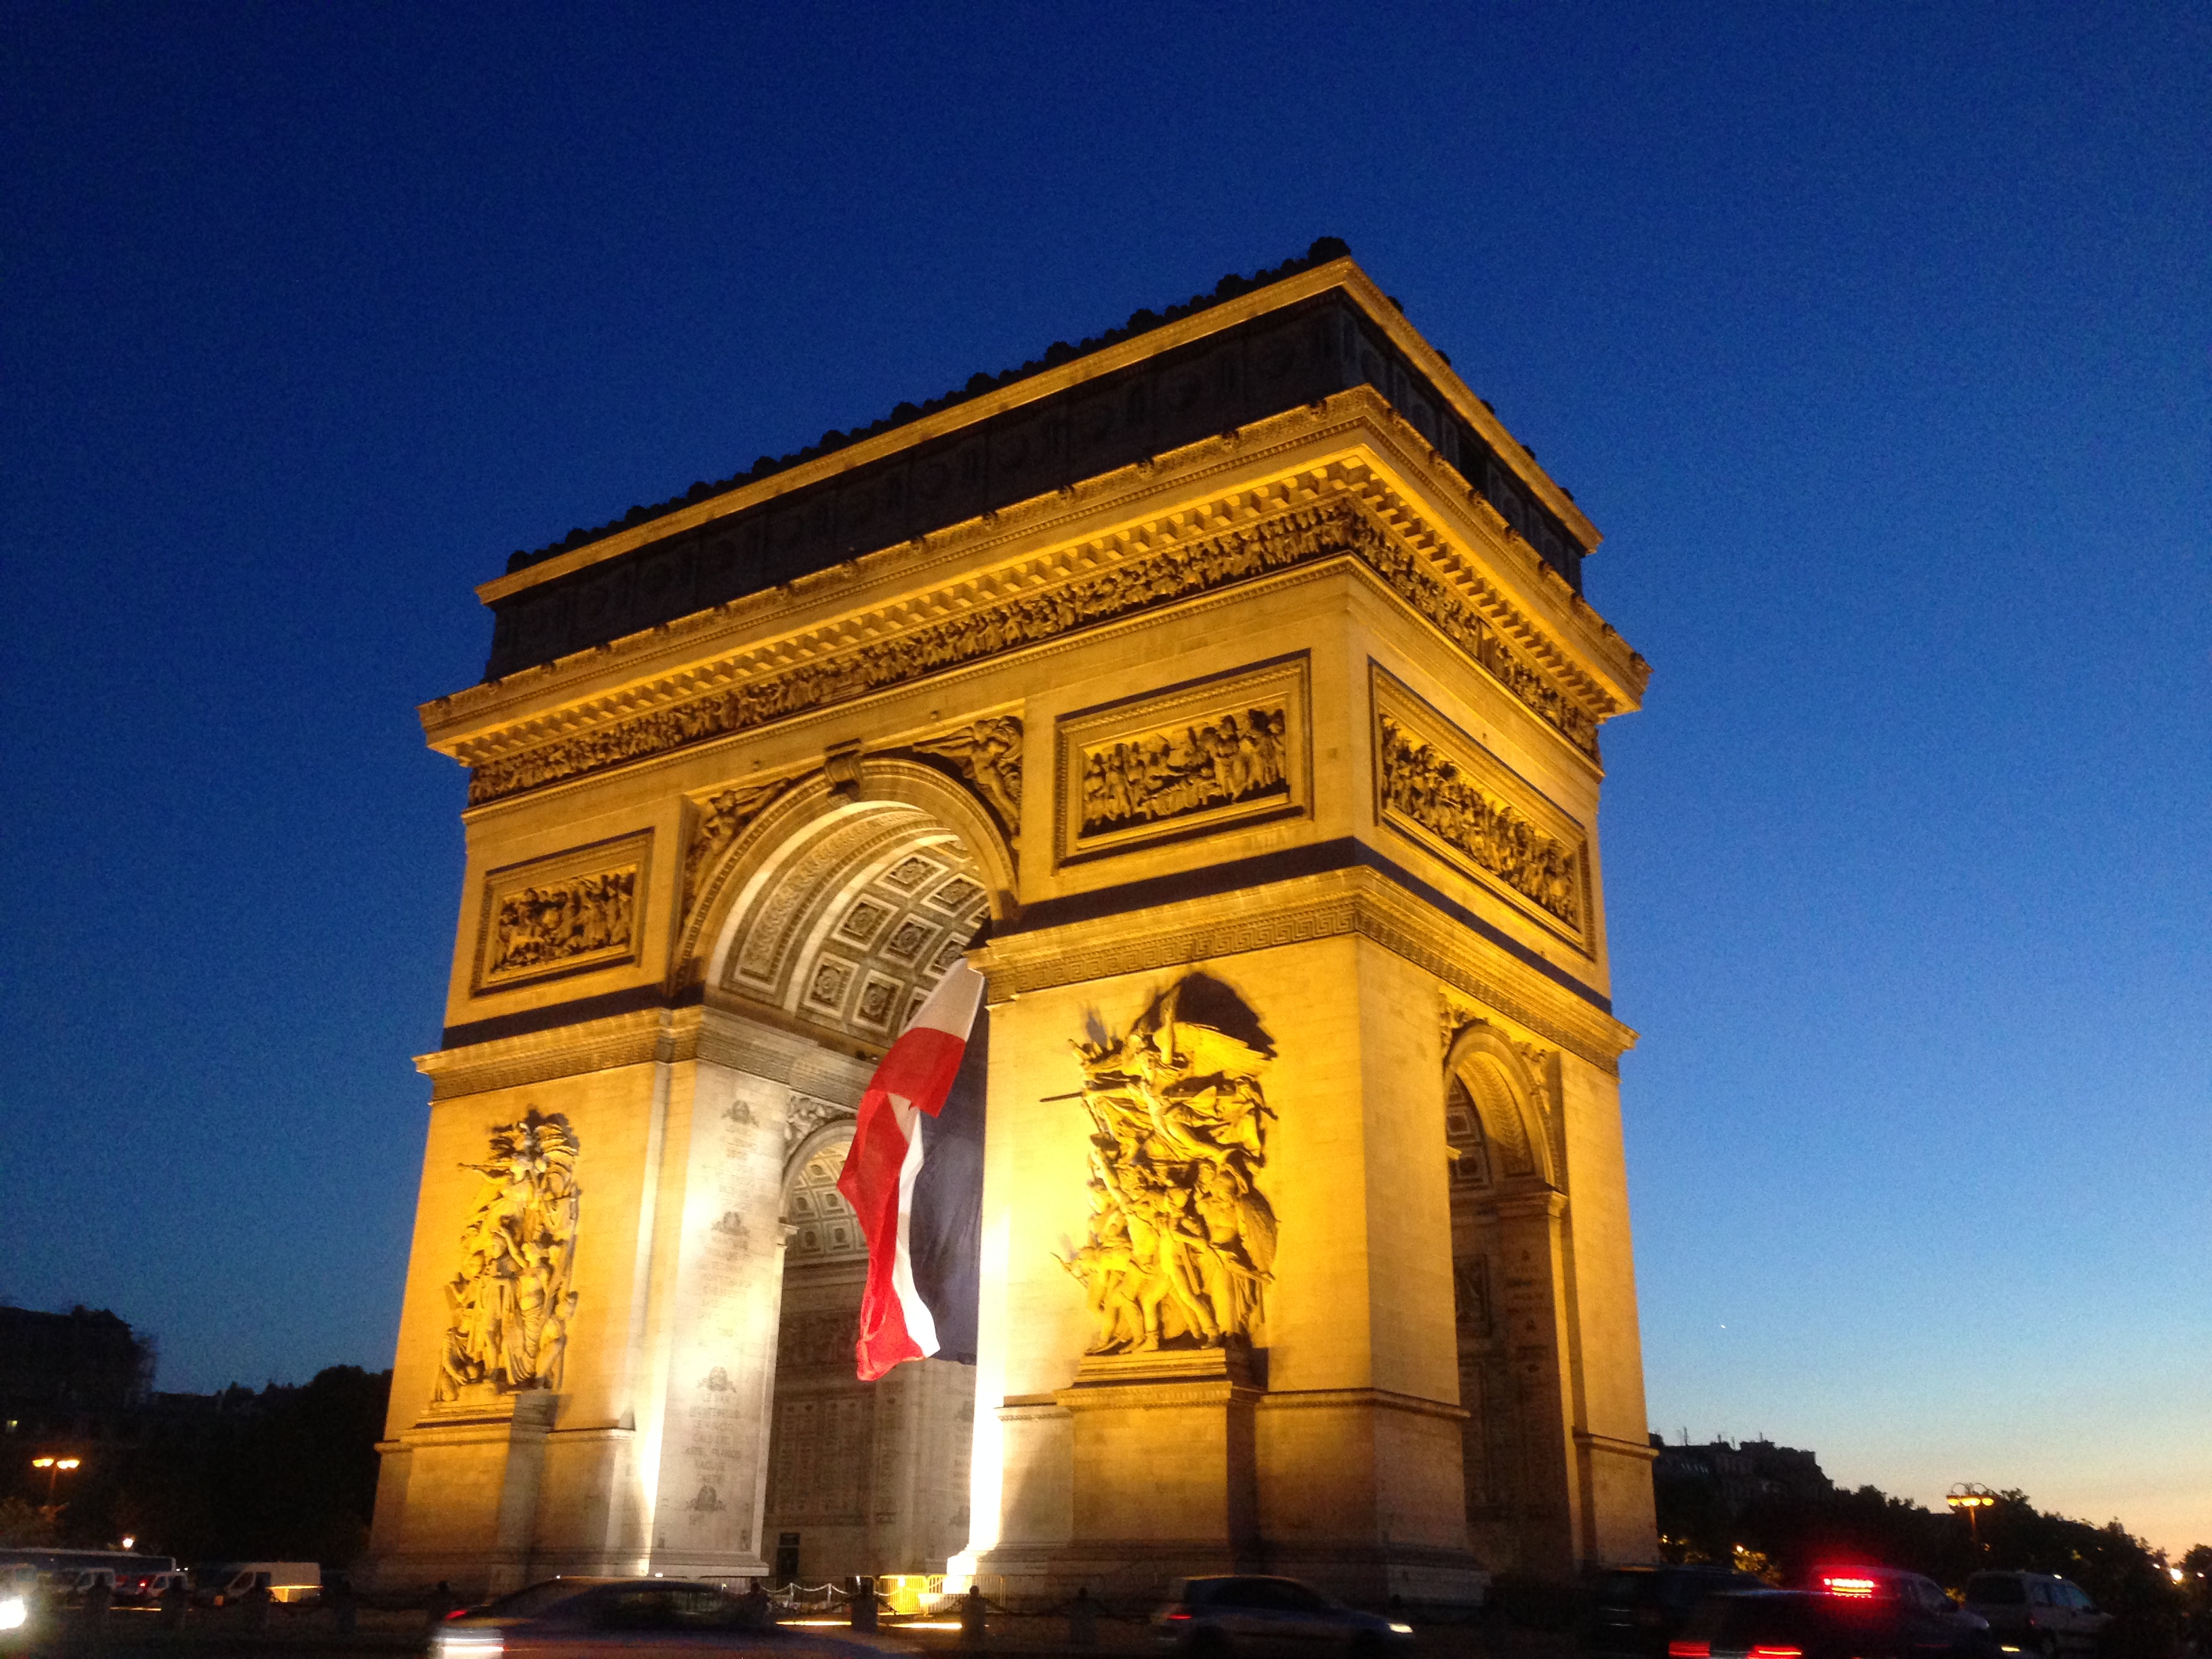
1224 689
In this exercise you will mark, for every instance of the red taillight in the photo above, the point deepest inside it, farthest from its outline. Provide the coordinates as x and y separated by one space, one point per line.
1681 1649
1777 1653
1178 1617
458 1612
1846 1584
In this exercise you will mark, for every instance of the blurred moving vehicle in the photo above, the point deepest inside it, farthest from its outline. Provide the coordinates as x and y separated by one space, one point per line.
1638 1610
221 1583
1246 1613
1854 1612
614 1616
2037 1612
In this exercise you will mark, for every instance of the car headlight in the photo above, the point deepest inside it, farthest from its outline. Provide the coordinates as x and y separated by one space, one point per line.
1397 1628
14 1611
470 1644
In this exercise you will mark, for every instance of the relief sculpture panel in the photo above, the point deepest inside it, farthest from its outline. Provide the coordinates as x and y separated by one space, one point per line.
1183 1242
510 1304
563 915
1226 751
1437 785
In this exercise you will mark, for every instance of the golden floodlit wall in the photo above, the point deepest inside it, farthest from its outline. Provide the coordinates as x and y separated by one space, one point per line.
1261 778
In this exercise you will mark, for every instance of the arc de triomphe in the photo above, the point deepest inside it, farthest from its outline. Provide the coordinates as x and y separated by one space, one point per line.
1224 687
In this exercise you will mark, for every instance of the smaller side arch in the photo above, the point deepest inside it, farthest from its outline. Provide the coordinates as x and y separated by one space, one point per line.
1484 1062
818 1223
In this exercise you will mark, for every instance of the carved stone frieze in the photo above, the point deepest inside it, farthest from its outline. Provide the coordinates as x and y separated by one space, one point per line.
574 911
988 754
1228 750
510 1305
1421 781
910 641
1436 784
1182 1242
1173 771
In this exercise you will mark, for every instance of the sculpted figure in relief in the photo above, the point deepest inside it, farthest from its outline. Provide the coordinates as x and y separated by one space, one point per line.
557 920
989 755
1183 1242
510 1303
1422 782
722 820
1179 769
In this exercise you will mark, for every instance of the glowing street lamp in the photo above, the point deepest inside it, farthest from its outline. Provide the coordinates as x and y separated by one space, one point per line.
1970 1499
55 1468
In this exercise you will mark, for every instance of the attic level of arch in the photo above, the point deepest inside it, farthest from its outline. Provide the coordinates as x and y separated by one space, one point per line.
1296 353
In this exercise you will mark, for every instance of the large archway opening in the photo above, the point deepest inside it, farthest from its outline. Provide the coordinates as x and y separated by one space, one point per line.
842 915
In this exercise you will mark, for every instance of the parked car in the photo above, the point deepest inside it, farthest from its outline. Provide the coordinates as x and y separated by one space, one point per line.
1247 1614
626 1618
2037 1612
1849 1613
1638 1610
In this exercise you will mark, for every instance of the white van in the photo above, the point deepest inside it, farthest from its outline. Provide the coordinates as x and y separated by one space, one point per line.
224 1583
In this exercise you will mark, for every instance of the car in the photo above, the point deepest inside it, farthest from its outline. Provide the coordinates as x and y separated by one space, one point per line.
1854 1612
1212 1617
588 1618
2037 1612
1638 1610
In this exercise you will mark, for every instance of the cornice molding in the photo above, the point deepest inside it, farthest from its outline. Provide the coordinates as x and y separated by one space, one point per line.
1018 548
1342 273
1332 512
666 1035
1353 900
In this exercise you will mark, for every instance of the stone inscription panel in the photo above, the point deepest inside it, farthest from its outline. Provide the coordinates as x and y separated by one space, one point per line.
722 1345
1439 788
1210 754
569 914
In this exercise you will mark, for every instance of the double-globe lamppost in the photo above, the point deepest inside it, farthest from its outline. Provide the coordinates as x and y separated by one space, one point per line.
1970 1498
55 1468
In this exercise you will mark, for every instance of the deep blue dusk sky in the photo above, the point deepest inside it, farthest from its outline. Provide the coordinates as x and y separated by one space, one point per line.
1875 337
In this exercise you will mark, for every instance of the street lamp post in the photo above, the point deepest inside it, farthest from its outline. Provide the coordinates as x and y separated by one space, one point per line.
55 1468
1970 1499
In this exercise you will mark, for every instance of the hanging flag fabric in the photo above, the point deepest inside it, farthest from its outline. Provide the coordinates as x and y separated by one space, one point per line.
914 1177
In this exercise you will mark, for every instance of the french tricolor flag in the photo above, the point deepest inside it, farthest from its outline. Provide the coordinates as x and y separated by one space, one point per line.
914 1177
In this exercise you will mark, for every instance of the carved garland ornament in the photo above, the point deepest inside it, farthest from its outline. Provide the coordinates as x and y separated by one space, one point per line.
1303 535
510 1303
1182 1240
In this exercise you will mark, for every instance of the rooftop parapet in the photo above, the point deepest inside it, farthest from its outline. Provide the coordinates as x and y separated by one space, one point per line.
1256 347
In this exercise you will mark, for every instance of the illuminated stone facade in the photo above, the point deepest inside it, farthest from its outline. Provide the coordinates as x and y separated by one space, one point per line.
1226 690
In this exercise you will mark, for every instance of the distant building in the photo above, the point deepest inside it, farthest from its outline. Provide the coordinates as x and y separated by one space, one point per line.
1738 1475
85 1359
77 1380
